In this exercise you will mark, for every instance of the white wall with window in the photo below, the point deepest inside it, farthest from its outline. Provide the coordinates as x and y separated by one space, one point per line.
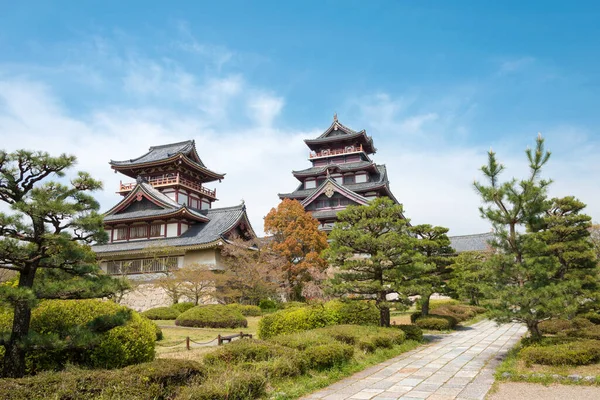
310 184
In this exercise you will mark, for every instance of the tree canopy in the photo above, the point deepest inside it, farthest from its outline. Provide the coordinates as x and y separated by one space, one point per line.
373 251
45 238
296 237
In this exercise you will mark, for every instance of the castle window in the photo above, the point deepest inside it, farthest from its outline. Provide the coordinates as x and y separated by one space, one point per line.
155 230
136 232
310 184
348 179
361 178
121 233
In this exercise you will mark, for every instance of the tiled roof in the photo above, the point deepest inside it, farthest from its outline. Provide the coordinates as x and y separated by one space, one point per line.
221 221
170 205
323 214
338 131
380 180
157 153
354 166
476 242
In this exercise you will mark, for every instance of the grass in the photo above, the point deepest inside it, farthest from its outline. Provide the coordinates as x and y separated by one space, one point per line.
174 334
520 372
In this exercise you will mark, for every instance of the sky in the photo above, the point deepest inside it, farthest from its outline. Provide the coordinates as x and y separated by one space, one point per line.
435 83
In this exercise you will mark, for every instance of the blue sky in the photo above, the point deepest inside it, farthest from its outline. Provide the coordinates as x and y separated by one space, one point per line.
435 83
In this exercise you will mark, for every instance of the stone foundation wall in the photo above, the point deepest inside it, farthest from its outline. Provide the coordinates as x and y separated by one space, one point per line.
146 296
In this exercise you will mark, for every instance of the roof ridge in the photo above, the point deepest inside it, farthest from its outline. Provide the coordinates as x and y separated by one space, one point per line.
189 141
240 206
472 234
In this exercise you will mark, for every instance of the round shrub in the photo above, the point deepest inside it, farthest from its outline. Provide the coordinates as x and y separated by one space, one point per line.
353 312
212 316
582 352
435 323
268 304
112 347
329 355
554 326
592 316
165 313
412 332
182 307
246 310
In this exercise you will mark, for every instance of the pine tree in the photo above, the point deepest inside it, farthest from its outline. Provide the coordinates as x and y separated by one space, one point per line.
46 241
538 270
372 249
434 245
470 279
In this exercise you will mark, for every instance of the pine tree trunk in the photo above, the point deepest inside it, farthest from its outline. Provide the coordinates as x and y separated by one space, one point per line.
384 316
14 357
425 305
534 331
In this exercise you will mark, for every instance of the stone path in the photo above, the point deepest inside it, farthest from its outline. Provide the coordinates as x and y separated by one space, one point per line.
459 365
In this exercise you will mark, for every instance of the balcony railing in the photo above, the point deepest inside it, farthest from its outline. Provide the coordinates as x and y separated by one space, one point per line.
170 180
335 152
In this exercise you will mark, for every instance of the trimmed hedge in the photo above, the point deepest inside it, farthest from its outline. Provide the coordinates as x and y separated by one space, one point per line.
242 351
554 326
212 316
268 304
328 355
591 332
297 319
412 332
166 313
236 385
434 322
123 345
158 379
293 304
246 310
592 316
582 352
183 307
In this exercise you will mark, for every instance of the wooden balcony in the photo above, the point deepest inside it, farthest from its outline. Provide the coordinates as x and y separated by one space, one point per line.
170 180
336 152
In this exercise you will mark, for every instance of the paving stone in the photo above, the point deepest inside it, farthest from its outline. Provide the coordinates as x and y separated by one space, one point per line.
459 365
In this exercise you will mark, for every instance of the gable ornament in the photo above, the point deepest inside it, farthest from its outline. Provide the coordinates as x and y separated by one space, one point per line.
329 190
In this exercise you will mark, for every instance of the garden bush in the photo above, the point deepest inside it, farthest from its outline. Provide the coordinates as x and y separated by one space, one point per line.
328 355
183 307
165 313
268 305
235 385
460 312
294 304
303 340
434 322
212 316
242 351
592 316
366 338
433 304
412 332
554 326
246 310
353 312
158 379
112 347
583 352
297 319
591 332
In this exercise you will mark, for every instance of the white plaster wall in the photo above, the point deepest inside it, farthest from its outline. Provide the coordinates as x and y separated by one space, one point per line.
171 230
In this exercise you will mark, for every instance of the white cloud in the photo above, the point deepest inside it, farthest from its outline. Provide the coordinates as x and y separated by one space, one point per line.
515 64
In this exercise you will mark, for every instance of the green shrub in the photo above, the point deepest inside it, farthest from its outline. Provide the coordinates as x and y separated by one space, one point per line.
433 304
234 385
158 379
303 340
114 347
165 313
183 307
591 332
268 304
294 319
246 310
412 332
582 352
436 323
297 319
159 333
353 312
242 351
554 326
294 304
580 323
212 316
592 316
328 355
366 338
460 312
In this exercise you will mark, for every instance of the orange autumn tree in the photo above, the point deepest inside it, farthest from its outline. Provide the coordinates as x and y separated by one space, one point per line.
296 238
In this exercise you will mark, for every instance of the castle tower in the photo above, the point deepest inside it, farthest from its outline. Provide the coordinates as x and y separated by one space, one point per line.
342 174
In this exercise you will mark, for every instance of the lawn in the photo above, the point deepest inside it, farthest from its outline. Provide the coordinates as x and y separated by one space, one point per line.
175 336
